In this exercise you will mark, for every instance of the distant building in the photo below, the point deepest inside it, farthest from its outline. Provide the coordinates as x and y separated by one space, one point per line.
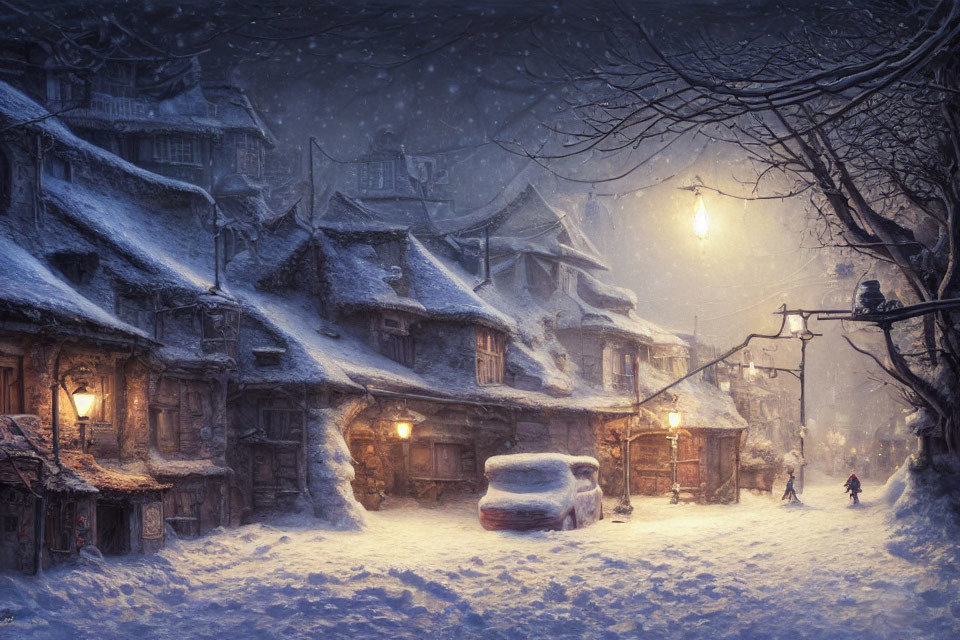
539 258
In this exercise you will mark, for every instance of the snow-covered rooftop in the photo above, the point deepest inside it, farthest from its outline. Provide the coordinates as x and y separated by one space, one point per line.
359 278
29 288
527 224
16 109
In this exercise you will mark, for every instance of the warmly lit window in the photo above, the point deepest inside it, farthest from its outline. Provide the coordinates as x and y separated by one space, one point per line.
176 150
491 356
376 175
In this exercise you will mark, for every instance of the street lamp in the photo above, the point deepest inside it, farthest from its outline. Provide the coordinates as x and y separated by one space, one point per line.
81 398
797 320
82 401
404 429
673 419
701 224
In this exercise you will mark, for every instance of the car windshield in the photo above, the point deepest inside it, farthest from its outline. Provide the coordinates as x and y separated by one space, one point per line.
526 480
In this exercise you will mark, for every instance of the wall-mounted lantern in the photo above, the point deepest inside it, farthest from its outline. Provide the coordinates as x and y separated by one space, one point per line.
404 420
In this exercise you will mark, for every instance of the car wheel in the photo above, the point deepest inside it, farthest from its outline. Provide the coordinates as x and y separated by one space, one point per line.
569 522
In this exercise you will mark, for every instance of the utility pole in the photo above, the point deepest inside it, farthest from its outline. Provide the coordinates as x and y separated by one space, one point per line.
216 249
313 187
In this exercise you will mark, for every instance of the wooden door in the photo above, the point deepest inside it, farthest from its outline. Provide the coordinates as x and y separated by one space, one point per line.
650 465
727 463
690 449
449 461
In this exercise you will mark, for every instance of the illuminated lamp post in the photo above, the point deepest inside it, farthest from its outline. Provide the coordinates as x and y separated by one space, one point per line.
81 399
674 419
403 423
797 321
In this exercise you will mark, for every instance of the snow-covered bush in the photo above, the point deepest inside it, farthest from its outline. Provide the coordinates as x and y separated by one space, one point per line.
925 511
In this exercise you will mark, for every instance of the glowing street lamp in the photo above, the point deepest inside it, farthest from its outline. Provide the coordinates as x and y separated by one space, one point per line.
404 420
404 429
674 419
701 224
82 402
797 323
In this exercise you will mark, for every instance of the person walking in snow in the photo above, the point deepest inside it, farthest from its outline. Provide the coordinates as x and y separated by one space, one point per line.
790 492
853 487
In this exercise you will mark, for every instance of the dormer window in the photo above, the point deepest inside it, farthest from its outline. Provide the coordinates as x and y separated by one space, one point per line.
220 329
267 356
78 267
394 339
376 176
56 167
491 356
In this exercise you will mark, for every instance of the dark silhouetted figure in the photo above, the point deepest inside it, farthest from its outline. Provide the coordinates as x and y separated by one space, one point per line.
790 492
853 487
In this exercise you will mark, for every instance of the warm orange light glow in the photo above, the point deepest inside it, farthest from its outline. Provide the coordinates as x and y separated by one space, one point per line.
404 429
83 400
674 419
701 224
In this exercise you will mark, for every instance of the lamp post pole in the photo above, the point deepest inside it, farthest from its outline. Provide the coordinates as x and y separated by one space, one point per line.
803 404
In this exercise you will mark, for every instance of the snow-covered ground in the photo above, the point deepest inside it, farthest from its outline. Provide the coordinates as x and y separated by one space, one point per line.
760 569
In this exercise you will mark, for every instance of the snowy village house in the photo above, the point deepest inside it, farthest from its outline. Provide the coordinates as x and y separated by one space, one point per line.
162 117
158 412
400 324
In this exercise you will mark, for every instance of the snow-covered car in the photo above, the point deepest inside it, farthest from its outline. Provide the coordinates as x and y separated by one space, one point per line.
541 491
